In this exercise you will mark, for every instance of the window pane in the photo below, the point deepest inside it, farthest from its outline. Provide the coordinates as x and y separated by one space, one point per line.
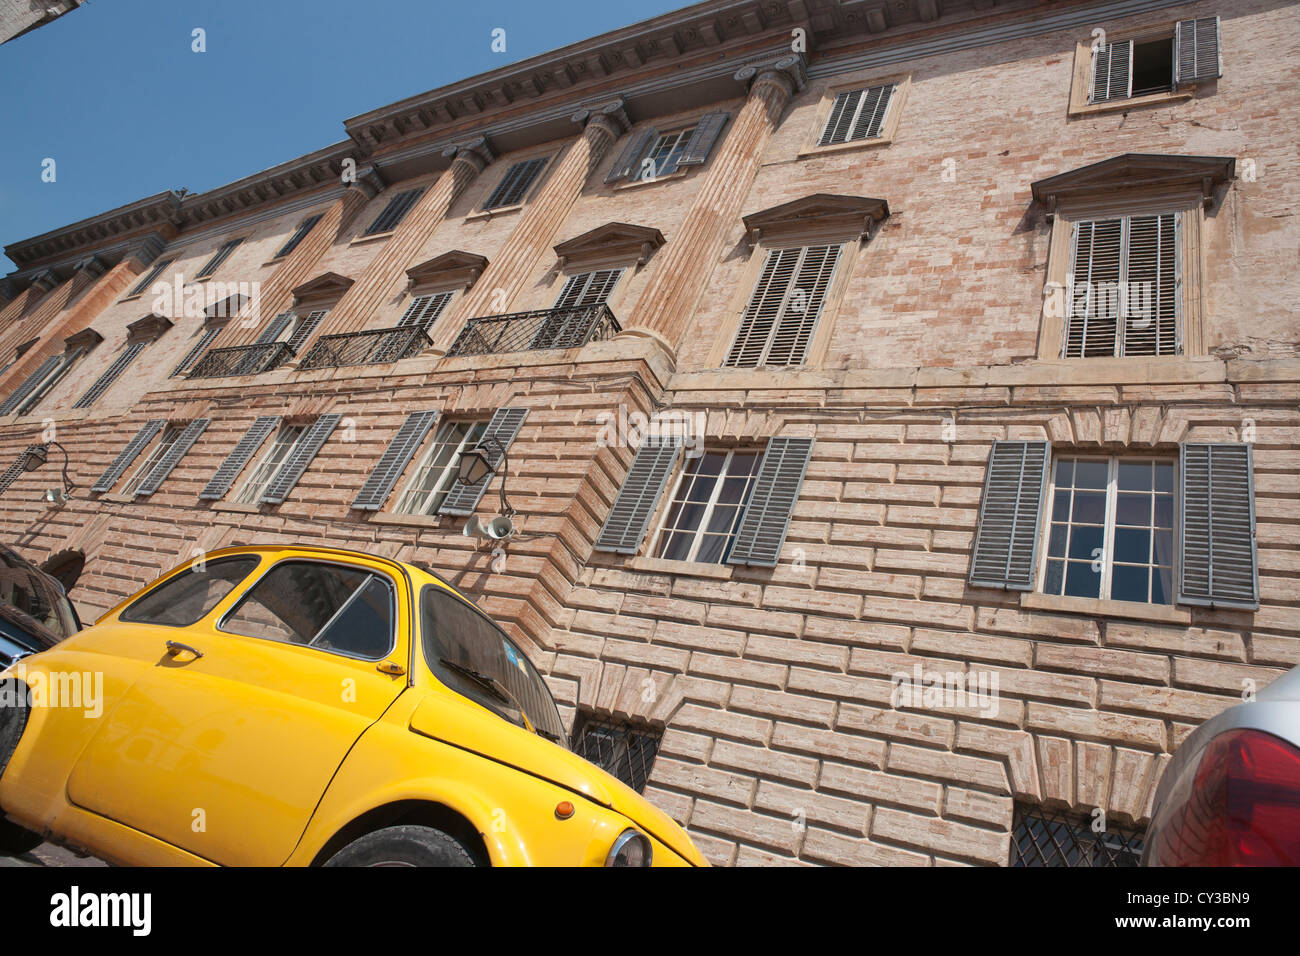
1089 507
1164 516
1133 545
1135 476
189 596
1055 577
1164 476
1133 509
1056 540
1061 506
364 628
295 600
1085 542
1081 580
1129 583
1090 474
1162 585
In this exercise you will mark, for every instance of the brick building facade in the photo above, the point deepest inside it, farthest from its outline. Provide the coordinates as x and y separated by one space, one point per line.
865 252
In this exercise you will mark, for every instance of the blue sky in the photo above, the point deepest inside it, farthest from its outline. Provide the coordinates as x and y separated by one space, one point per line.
115 95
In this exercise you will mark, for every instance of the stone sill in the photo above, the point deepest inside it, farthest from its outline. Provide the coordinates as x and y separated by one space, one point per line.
1093 607
490 213
849 147
414 521
679 569
1151 99
377 237
634 183
238 508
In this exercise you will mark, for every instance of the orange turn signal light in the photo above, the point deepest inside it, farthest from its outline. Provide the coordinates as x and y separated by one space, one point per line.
563 810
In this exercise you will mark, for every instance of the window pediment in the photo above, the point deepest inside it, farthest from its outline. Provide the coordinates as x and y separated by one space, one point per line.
854 216
614 241
327 286
454 269
86 339
1150 172
147 329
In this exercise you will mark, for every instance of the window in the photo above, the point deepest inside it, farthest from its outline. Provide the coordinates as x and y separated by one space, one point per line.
1123 288
394 212
201 346
299 235
650 154
258 479
141 287
1111 529
778 323
187 598
425 309
1052 838
619 749
163 445
220 256
705 507
436 471
473 657
515 183
303 328
1131 68
110 375
1154 65
31 383
857 115
331 607
664 153
588 288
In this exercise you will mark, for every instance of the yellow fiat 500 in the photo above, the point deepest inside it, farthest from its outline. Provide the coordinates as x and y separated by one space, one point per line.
301 706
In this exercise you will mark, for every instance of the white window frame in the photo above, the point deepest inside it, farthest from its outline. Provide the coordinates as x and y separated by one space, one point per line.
449 470
698 534
680 138
156 452
250 492
1108 528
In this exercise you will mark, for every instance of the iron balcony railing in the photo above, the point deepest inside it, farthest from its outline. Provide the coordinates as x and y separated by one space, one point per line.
372 347
542 329
241 360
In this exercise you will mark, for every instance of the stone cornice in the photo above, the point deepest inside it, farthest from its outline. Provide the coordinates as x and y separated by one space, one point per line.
1136 171
161 210
455 269
326 286
615 241
321 168
853 216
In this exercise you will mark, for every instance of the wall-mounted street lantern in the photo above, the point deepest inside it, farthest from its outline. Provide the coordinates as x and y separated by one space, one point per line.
38 455
475 466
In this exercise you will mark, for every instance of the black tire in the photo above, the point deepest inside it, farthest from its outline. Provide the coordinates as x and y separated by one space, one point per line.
13 838
403 846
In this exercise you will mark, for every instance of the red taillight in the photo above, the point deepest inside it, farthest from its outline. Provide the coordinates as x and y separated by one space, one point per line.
1242 809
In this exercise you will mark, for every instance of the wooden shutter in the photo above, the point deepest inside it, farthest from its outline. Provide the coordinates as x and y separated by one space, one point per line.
172 457
128 454
871 112
841 118
274 328
636 500
394 212
1196 50
462 499
396 456
299 235
1006 538
193 354
778 323
629 161
1218 566
1092 322
143 285
1112 71
218 258
69 359
110 376
706 133
588 288
300 456
1151 303
425 309
229 469
766 520
30 383
305 328
11 473
514 184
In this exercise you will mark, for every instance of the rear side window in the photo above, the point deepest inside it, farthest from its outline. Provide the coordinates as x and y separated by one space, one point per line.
331 607
190 595
473 657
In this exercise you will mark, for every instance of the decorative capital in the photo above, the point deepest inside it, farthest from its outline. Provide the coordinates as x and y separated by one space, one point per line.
477 152
92 266
789 73
369 182
45 280
609 117
147 249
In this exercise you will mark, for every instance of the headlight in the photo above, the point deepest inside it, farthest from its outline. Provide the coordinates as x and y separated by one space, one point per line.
630 849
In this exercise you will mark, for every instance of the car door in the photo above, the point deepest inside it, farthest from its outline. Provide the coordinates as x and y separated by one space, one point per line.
226 746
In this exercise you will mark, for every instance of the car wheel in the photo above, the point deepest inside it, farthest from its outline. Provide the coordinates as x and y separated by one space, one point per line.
403 846
13 838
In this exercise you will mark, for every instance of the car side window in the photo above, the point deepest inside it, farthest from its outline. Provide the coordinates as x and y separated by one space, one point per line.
331 607
472 656
189 596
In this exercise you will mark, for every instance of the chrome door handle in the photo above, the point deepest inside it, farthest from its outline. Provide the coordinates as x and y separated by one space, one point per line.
176 647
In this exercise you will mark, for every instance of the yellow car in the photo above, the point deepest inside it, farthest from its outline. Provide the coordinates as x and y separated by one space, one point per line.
267 706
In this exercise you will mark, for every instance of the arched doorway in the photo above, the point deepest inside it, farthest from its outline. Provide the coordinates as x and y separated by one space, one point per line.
65 567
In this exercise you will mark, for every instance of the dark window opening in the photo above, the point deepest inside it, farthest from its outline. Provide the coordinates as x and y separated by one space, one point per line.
1053 838
621 750
1153 67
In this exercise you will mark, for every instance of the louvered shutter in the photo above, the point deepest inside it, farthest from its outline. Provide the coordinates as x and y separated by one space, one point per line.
172 457
1006 538
69 359
193 354
462 499
229 469
514 184
636 500
1092 321
110 376
425 309
1112 68
1151 287
396 456
871 112
300 456
841 118
30 383
1196 49
766 520
305 329
128 454
220 257
628 163
274 328
1218 567
298 236
706 134
394 212
764 306
782 314
142 286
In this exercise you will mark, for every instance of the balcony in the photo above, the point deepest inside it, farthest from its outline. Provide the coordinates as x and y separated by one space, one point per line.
241 360
373 347
544 329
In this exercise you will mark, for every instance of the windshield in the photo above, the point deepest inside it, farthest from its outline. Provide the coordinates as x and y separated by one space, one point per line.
33 608
473 657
